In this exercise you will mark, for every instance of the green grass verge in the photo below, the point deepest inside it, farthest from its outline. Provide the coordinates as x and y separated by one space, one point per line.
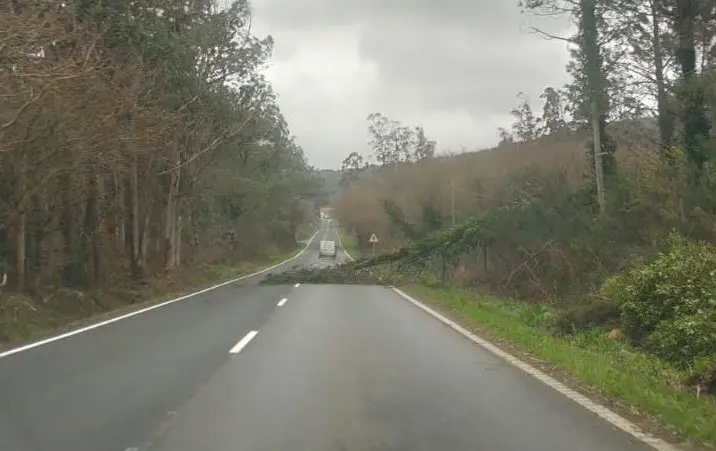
23 318
350 244
611 367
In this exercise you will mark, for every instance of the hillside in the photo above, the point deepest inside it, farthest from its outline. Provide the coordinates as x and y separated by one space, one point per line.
479 179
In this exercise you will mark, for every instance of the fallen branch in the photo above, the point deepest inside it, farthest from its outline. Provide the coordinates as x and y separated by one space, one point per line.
526 262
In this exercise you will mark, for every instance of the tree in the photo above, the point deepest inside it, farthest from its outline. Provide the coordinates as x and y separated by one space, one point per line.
649 60
696 124
423 147
353 163
589 91
505 136
393 142
553 120
383 139
527 126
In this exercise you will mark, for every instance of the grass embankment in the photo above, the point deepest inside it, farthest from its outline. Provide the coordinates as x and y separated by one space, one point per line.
637 386
23 317
349 243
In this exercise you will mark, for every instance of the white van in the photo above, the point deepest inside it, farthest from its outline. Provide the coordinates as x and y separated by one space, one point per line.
327 249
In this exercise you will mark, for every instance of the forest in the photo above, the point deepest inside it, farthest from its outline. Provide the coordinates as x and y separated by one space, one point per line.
621 239
138 140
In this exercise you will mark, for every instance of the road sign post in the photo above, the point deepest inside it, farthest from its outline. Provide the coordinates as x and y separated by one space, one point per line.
373 240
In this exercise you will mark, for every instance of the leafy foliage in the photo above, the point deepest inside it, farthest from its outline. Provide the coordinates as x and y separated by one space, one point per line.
527 127
393 142
669 305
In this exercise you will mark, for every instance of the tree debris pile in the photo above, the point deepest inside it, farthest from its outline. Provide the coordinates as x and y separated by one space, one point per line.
350 273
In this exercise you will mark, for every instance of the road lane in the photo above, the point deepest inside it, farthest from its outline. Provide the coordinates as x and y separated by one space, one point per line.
109 388
355 368
332 368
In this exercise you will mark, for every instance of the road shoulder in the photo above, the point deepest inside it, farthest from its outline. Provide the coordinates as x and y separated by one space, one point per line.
566 362
33 325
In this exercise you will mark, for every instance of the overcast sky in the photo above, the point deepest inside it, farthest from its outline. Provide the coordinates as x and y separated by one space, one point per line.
452 66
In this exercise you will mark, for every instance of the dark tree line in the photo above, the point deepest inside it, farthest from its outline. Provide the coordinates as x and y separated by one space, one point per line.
634 60
136 137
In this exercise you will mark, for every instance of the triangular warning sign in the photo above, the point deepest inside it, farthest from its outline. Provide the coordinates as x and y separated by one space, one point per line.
373 239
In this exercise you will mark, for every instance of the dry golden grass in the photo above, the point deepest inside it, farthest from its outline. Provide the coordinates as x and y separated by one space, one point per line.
480 178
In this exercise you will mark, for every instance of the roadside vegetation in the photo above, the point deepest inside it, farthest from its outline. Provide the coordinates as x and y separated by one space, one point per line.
141 152
603 265
350 243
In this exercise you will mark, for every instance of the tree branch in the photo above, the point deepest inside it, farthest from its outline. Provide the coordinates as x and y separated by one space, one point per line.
550 37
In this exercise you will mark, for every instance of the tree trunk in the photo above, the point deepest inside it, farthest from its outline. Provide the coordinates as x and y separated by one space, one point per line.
595 81
118 217
696 124
91 225
21 226
170 220
177 242
144 240
66 219
135 257
666 118
36 257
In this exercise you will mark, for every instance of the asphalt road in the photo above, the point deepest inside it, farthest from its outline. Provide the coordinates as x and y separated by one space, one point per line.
332 368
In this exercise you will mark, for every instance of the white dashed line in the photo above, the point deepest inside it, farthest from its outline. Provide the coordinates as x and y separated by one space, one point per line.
244 341
71 333
282 301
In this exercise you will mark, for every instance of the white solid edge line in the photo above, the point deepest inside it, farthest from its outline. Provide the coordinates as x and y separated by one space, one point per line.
601 411
340 244
243 342
281 302
152 307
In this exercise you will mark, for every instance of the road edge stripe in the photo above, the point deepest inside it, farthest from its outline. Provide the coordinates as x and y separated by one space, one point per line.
611 417
340 243
80 330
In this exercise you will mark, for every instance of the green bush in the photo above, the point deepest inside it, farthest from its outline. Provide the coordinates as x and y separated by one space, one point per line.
685 338
668 306
537 315
582 316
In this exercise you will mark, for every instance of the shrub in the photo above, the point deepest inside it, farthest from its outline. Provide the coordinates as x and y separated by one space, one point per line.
668 306
537 315
703 375
584 316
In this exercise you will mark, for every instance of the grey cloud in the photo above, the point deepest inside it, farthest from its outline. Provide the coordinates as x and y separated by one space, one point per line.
310 13
453 67
439 57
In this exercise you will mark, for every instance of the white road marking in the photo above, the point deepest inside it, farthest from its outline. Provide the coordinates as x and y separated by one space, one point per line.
601 411
281 302
297 285
244 341
340 245
147 309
